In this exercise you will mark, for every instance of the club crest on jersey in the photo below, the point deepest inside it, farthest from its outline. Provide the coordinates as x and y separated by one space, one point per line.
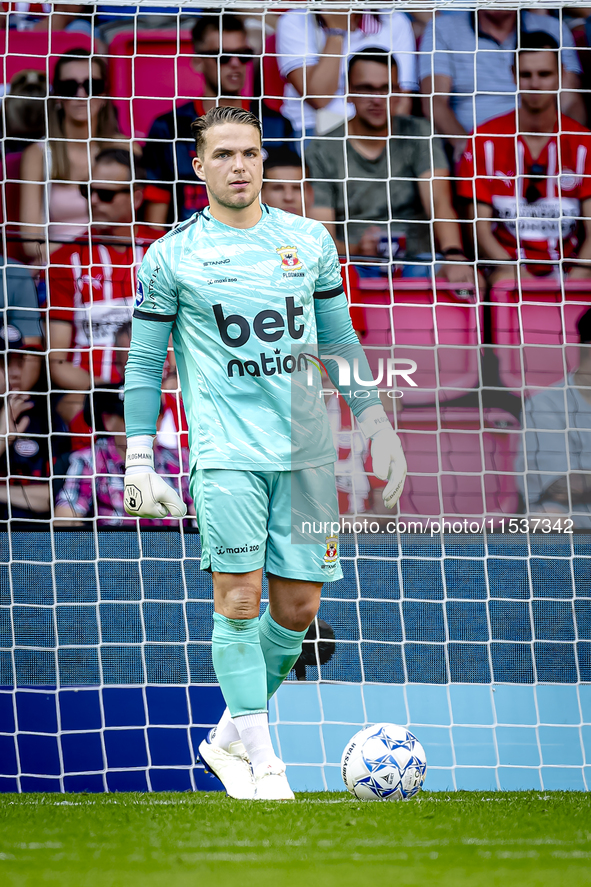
569 180
139 298
331 554
290 261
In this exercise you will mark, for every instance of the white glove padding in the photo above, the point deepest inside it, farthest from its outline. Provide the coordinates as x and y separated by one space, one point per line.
389 463
146 493
388 460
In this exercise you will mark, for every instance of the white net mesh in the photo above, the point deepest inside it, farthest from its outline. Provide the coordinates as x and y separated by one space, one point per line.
465 615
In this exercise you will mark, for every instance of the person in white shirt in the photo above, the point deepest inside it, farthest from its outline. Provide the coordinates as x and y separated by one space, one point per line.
312 54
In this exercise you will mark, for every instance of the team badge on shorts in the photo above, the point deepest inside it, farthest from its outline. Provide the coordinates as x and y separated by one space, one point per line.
332 552
290 261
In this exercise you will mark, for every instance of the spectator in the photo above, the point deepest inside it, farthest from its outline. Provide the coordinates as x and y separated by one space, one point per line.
95 474
531 185
25 110
91 291
175 193
555 469
63 160
447 74
312 57
18 296
48 16
23 438
377 173
284 185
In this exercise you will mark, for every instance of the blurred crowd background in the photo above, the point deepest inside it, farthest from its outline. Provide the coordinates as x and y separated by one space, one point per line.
447 152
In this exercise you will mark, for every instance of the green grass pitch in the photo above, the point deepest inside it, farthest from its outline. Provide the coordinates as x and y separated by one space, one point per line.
174 840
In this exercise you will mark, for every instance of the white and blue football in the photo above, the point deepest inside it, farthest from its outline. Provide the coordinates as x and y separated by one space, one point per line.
384 762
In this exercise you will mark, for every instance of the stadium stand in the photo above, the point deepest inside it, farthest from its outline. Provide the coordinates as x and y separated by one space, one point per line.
478 638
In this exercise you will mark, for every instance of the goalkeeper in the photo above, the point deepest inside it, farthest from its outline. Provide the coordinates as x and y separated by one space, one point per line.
246 291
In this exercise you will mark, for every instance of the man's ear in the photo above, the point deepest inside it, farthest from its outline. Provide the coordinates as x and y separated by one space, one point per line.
198 168
138 198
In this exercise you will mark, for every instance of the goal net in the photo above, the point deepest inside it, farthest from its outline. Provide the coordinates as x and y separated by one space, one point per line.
445 147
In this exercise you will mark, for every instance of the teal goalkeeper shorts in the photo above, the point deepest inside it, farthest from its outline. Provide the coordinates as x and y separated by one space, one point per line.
284 521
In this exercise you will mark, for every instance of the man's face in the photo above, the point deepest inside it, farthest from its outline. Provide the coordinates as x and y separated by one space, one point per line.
110 194
538 79
232 164
283 190
232 72
498 18
370 85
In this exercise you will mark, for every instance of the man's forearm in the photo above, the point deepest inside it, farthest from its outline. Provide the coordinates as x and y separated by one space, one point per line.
143 375
67 376
446 122
488 245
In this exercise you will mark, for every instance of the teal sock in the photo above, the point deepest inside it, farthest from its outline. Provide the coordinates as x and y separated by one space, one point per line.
281 648
239 664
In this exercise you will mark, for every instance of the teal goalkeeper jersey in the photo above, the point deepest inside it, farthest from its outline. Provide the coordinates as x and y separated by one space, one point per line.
242 303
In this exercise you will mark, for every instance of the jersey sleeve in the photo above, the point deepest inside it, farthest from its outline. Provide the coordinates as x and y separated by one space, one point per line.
403 48
465 182
439 62
329 282
483 183
156 294
584 190
295 38
62 288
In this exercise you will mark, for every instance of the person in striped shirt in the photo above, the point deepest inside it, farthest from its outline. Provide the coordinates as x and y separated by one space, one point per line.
91 285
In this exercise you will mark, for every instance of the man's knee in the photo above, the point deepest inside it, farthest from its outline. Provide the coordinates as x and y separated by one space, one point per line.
237 595
294 604
303 615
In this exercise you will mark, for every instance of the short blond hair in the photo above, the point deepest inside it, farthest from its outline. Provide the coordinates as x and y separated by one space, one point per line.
218 116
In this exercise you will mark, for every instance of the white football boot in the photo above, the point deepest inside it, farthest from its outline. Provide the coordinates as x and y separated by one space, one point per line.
232 767
271 783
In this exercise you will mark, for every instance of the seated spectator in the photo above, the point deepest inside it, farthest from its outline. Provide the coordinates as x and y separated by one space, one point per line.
25 110
52 170
447 74
24 430
531 184
18 296
96 473
284 186
174 193
312 56
557 456
376 171
49 17
91 291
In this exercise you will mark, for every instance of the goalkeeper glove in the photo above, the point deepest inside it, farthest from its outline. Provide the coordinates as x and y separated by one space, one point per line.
146 493
388 462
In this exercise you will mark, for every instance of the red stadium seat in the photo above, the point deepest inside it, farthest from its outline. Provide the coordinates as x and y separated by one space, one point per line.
461 467
530 333
37 50
150 73
439 332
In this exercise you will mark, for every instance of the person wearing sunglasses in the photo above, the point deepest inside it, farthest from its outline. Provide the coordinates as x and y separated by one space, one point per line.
52 210
224 58
530 177
91 284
